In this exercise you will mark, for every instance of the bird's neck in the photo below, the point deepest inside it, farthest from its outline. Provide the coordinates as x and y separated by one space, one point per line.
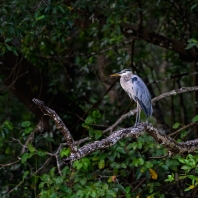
126 77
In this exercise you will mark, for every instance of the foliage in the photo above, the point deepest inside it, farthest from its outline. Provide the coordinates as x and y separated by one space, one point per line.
63 53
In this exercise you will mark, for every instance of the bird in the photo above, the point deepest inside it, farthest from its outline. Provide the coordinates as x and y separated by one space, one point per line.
136 89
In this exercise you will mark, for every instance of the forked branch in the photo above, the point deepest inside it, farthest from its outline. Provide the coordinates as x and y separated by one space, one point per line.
172 146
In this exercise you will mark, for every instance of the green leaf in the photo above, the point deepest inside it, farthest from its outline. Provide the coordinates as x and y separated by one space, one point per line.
25 124
121 187
7 40
120 150
96 114
189 188
28 130
51 173
187 168
40 17
190 45
41 185
192 40
89 120
53 195
31 148
98 134
9 48
40 153
14 52
176 125
195 119
192 177
140 161
101 164
170 178
105 186
8 125
127 189
83 181
59 180
25 174
65 152
93 193
24 157
45 178
193 6
130 146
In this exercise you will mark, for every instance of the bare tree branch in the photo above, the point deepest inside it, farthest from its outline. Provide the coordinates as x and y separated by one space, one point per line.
164 95
9 164
185 127
173 146
107 142
59 123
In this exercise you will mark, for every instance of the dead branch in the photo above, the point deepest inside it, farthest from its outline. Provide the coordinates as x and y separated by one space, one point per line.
107 142
172 146
164 95
59 123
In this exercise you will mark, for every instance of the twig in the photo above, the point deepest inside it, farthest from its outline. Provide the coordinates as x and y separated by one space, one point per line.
19 142
9 164
185 127
45 163
38 128
14 188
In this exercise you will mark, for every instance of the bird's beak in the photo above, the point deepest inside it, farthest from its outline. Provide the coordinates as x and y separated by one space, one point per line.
116 74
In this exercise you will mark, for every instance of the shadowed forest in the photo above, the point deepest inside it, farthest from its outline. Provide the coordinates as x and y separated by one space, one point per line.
63 53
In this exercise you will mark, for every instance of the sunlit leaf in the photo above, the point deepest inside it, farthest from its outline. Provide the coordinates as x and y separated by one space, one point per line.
153 174
176 125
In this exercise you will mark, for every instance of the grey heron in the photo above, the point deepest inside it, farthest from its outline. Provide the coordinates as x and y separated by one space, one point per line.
136 90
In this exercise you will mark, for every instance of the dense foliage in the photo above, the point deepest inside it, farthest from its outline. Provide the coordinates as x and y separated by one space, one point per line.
63 53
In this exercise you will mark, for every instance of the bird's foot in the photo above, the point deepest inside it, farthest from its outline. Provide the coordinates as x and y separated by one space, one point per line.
136 124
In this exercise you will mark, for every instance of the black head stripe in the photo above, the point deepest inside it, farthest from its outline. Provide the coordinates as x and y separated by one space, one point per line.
125 70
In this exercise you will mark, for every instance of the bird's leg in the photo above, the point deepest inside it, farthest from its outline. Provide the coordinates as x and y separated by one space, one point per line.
139 111
137 120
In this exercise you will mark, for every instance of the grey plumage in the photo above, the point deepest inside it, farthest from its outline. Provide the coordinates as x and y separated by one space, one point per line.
137 90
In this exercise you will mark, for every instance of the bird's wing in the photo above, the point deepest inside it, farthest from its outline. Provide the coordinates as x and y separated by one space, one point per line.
142 95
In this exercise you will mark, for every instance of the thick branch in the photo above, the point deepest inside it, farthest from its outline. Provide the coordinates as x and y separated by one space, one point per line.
107 142
173 146
160 40
59 123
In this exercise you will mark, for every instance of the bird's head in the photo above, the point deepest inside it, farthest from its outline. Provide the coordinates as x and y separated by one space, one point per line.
124 72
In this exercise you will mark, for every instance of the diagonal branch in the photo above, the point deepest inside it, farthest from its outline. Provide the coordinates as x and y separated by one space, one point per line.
59 123
133 31
164 95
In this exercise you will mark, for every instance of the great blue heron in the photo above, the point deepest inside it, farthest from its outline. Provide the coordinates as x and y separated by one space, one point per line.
137 90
